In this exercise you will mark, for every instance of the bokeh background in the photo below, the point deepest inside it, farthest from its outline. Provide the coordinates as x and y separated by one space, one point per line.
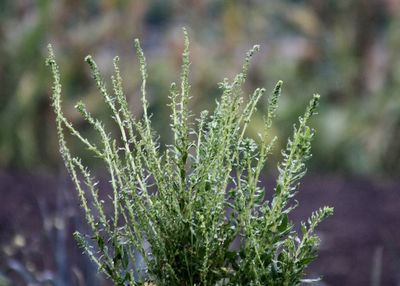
347 51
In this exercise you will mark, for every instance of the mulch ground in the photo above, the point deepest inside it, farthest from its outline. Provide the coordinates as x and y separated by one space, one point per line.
360 243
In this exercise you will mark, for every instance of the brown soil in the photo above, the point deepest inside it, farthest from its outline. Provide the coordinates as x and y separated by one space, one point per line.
360 243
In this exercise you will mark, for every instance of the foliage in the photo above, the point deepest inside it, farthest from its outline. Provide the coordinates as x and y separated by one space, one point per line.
316 45
192 212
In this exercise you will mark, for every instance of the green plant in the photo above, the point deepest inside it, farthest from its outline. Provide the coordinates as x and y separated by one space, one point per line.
180 208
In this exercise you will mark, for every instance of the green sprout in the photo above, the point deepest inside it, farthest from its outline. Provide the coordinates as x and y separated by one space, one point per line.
193 212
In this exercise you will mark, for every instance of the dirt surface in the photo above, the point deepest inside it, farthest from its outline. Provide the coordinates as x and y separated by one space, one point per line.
360 243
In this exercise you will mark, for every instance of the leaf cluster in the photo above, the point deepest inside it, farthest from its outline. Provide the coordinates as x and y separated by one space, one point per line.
193 212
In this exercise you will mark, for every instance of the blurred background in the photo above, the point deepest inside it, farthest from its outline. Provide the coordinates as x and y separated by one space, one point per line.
347 51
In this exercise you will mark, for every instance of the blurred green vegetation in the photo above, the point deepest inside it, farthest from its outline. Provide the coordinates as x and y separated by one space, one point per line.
344 50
